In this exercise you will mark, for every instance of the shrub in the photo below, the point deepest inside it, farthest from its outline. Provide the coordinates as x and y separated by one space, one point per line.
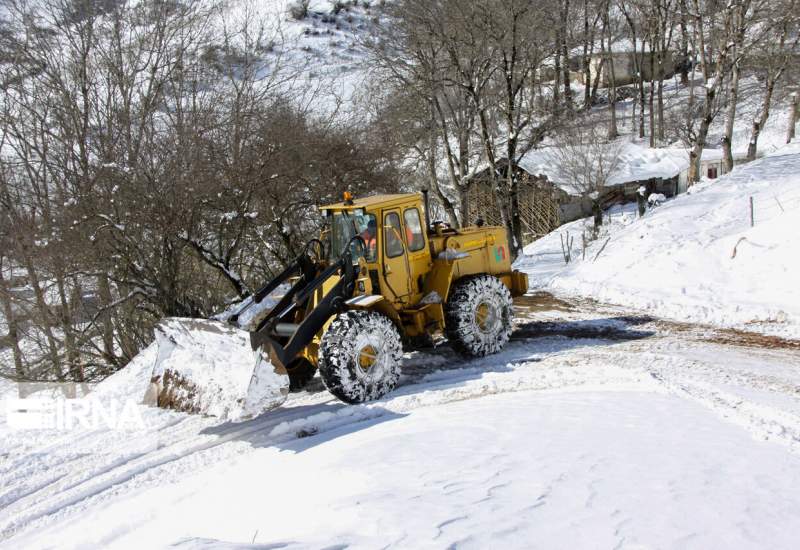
298 10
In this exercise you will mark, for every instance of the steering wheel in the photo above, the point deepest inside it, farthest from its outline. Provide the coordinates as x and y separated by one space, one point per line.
361 242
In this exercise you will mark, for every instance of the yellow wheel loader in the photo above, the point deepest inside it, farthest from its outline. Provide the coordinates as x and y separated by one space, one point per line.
380 275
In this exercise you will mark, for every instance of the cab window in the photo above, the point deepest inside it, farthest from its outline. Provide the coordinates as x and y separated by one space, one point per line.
392 230
414 235
346 225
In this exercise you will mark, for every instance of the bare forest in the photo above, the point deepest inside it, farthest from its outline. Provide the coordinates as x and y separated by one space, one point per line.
166 157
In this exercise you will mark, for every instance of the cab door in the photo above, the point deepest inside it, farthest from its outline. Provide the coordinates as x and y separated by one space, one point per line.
395 257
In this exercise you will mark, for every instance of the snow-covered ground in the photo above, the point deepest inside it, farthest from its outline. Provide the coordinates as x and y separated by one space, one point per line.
594 428
695 258
323 48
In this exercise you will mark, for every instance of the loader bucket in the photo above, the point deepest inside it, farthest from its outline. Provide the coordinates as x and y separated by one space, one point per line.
208 367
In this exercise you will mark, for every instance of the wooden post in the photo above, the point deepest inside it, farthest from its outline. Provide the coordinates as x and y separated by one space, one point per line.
601 249
584 244
752 214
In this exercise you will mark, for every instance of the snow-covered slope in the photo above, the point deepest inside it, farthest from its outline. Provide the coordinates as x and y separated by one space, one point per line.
695 258
322 47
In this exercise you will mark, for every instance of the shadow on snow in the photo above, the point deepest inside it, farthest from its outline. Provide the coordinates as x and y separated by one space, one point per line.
301 427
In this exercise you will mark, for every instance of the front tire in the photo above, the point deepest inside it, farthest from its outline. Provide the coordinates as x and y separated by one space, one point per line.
359 356
479 316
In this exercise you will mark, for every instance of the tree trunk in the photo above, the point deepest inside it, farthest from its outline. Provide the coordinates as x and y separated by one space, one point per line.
557 81
694 165
71 354
500 195
565 54
597 212
107 326
733 96
516 220
760 121
662 48
641 92
587 72
660 110
793 116
13 329
651 111
456 178
684 51
432 176
613 131
45 318
695 155
442 198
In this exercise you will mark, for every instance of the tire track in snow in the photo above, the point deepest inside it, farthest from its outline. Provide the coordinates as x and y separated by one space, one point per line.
100 482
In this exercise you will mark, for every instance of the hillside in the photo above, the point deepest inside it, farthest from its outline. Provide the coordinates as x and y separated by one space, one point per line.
321 44
696 257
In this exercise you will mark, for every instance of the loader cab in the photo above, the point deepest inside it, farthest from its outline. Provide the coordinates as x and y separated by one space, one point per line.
397 251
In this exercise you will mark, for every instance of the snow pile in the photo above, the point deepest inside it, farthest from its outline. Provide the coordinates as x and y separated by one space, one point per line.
208 367
248 313
696 258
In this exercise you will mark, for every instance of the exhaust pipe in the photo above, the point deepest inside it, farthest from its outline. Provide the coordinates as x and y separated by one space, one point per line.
427 208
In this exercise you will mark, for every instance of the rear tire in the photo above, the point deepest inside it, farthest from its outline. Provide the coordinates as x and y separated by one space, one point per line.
479 316
359 356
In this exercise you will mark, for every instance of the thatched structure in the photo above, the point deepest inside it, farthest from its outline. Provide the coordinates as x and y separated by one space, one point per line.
539 203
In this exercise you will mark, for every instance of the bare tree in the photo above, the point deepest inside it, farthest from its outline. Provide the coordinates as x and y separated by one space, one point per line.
155 162
409 53
586 161
777 52
474 68
712 28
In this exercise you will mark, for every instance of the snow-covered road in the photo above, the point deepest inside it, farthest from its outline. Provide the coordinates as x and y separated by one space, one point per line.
594 428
